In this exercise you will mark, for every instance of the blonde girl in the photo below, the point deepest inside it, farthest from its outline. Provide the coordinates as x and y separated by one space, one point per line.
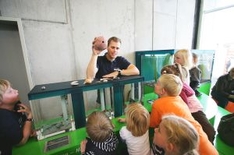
184 58
135 133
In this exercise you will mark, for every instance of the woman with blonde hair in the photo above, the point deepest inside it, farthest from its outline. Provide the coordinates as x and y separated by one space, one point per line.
135 133
184 58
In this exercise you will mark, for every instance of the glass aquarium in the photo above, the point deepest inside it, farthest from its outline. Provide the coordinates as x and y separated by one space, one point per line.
52 123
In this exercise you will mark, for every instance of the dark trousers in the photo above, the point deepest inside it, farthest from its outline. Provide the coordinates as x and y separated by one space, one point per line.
220 99
200 116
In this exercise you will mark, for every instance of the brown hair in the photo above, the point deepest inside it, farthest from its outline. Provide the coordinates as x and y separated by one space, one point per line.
137 119
99 127
175 69
4 84
115 39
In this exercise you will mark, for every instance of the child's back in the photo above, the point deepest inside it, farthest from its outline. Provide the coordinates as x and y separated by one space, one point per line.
102 139
135 133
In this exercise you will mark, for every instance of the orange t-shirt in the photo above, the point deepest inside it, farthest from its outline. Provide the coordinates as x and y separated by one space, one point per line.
176 106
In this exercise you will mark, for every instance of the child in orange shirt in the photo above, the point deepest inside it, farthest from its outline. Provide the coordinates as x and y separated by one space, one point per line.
168 88
188 96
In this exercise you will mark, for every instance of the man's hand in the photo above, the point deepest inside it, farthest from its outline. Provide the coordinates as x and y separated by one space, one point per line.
88 81
111 75
95 51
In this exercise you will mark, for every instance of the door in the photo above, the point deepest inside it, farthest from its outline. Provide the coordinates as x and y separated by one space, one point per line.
12 56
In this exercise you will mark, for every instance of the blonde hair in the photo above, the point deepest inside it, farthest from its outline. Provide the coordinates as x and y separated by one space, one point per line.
171 83
181 133
186 56
137 119
4 84
99 127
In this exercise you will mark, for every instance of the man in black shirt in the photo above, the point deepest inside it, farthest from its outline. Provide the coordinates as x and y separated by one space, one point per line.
223 90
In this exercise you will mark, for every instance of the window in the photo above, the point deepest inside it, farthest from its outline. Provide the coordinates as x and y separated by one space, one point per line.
216 33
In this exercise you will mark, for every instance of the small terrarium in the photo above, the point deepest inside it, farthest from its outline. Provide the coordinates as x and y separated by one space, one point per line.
51 123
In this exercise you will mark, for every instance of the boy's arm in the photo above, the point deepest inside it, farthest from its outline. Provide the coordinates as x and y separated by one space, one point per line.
27 128
83 146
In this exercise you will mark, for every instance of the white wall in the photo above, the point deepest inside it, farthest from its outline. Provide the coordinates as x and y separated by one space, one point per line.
59 33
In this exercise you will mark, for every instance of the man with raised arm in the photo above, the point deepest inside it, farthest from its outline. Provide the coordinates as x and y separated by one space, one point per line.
109 65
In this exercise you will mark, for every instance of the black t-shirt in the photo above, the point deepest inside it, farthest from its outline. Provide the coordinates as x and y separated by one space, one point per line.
105 66
11 124
224 86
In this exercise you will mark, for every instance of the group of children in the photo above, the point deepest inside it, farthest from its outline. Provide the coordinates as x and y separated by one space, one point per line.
180 126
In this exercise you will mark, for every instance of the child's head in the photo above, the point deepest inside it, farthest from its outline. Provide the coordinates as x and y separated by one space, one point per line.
195 58
137 119
168 85
4 85
177 135
231 73
99 127
175 69
183 57
8 95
